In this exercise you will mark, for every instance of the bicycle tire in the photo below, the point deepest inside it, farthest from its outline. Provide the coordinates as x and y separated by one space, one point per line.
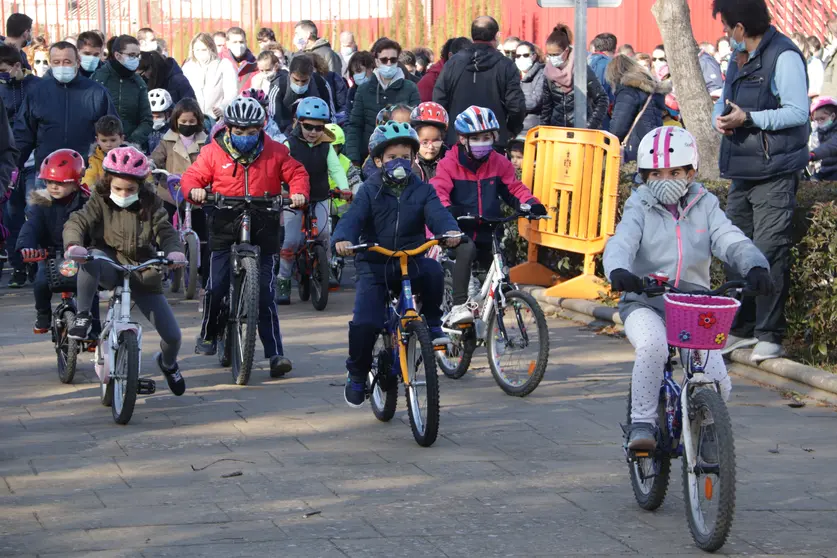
537 369
425 428
244 336
224 346
303 279
127 357
320 273
106 393
466 344
66 349
709 399
192 254
654 497
384 397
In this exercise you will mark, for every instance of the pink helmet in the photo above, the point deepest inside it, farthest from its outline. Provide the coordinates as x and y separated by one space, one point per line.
823 101
128 161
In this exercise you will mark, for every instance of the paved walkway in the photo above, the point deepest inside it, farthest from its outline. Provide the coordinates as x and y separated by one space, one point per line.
540 476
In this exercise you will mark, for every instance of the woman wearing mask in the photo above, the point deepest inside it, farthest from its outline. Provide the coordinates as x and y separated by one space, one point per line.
212 78
528 61
816 70
164 73
38 57
127 90
360 71
558 96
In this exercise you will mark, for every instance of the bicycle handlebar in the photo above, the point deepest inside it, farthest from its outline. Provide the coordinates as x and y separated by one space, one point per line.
159 260
43 254
374 247
502 220
341 195
654 288
272 201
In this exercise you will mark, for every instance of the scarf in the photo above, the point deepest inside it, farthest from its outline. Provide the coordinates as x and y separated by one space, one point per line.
121 70
563 76
241 158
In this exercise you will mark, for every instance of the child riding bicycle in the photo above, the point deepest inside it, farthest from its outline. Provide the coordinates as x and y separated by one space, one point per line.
243 155
473 178
670 225
392 208
125 221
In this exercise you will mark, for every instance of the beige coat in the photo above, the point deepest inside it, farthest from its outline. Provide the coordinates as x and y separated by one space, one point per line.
172 155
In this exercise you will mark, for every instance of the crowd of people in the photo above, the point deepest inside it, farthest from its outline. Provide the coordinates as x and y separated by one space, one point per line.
418 140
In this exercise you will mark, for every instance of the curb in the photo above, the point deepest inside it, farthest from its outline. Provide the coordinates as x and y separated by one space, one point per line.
780 373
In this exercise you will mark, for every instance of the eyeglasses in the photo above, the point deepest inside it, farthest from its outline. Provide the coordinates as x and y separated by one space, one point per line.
312 127
658 59
130 55
431 143
391 60
508 53
524 55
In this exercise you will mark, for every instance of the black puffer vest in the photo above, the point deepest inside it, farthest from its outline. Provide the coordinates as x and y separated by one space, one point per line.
315 161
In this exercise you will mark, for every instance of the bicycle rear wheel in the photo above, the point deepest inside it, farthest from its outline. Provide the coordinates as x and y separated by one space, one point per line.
650 475
66 349
709 489
125 377
384 396
423 390
192 254
518 344
319 278
456 358
245 320
225 334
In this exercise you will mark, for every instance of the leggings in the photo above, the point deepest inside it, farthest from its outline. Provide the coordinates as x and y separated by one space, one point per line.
646 331
154 307
466 254
294 237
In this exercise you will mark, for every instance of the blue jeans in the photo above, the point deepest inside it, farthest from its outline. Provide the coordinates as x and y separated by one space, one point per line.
14 212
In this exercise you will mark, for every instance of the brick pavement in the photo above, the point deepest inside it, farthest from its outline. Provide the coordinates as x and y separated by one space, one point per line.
540 476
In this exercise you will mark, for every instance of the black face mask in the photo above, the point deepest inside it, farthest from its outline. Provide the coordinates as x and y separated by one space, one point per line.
188 130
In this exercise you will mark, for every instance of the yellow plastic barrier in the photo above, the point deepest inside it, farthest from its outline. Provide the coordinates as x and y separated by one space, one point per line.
575 174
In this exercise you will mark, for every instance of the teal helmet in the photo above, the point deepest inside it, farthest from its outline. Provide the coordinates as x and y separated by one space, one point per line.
392 132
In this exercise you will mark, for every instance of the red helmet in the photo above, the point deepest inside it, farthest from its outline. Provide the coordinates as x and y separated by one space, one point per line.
430 113
63 165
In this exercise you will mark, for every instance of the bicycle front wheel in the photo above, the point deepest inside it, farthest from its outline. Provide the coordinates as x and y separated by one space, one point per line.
650 475
423 389
456 358
319 278
384 396
518 344
709 488
246 320
66 349
192 254
125 377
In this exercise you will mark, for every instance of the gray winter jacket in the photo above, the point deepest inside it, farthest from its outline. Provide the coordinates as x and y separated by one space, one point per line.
649 239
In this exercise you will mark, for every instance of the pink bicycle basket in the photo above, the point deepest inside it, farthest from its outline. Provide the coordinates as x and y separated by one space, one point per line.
699 321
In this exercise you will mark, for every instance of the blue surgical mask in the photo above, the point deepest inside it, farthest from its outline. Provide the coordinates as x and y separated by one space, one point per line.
300 89
244 144
388 72
825 126
130 64
736 46
398 171
360 78
89 62
63 74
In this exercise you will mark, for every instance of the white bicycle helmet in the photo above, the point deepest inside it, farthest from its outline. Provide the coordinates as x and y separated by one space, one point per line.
244 112
160 100
667 147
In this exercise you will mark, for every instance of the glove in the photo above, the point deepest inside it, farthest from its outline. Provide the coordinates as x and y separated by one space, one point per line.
759 281
625 281
30 253
177 259
538 210
172 180
76 252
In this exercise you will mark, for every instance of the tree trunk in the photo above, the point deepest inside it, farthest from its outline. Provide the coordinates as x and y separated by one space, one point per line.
674 21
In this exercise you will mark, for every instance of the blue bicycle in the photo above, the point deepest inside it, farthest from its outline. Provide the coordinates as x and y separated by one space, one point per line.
691 415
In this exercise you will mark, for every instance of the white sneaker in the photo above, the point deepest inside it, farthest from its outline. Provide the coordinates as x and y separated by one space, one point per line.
734 342
766 350
460 314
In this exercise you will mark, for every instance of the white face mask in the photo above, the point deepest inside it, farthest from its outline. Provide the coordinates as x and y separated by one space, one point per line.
124 202
556 60
202 56
523 64
158 123
238 49
347 51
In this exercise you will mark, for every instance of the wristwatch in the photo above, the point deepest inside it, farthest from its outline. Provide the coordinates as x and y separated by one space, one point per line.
748 122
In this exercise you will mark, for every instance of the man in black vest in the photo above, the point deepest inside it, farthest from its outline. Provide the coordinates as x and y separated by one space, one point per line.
763 151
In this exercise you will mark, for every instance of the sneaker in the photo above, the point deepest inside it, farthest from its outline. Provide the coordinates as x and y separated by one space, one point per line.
734 342
709 446
765 350
177 384
355 392
283 292
439 336
460 314
205 347
642 437
43 321
279 366
4 255
81 327
18 279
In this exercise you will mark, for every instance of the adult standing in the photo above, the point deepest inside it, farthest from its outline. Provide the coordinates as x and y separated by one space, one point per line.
360 69
558 87
387 86
509 47
814 66
348 47
212 78
528 61
90 47
19 35
763 151
127 90
429 79
604 49
164 73
483 77
239 55
306 40
711 70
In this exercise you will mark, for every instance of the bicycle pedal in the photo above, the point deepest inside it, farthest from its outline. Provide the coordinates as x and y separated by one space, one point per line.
334 289
146 386
641 453
91 347
40 331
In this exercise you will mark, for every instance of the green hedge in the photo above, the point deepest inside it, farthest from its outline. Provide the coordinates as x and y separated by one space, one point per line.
812 307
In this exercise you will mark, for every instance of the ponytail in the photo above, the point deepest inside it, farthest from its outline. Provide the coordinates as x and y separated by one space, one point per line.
561 36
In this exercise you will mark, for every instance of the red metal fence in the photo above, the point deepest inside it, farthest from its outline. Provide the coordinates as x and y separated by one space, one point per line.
410 22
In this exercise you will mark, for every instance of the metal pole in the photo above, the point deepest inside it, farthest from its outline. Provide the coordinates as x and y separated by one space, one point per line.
103 18
580 71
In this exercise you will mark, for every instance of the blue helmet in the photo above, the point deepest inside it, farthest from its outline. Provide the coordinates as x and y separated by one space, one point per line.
475 120
314 108
390 133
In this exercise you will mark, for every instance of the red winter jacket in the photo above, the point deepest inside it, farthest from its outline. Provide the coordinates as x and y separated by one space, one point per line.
428 81
246 69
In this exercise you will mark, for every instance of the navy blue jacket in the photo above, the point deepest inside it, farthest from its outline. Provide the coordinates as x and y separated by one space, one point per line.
59 115
632 91
176 83
44 227
711 70
378 215
598 63
12 93
827 153
23 61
